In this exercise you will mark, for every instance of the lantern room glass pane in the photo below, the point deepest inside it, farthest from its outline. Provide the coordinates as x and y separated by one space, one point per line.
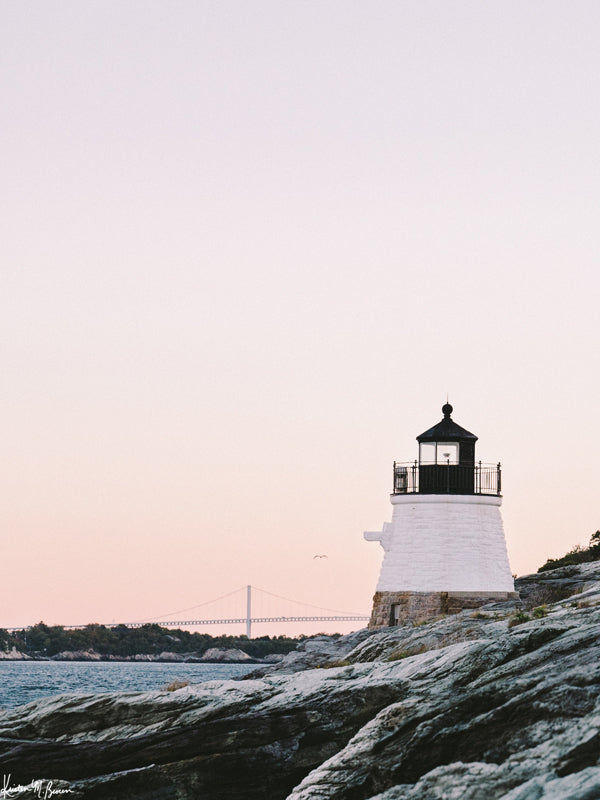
427 453
447 452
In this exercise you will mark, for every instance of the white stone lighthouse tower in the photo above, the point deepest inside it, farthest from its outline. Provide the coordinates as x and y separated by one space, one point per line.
444 548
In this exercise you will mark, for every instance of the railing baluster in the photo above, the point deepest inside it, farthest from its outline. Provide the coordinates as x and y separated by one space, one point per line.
447 478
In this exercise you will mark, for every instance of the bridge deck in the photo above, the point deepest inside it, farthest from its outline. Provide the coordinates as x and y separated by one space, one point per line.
222 621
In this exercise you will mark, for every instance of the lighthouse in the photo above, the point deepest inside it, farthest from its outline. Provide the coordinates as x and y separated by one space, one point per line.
444 549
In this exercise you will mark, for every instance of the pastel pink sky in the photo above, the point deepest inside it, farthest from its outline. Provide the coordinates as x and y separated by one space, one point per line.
247 248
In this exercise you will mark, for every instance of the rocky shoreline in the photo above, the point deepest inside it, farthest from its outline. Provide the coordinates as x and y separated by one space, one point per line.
502 703
214 655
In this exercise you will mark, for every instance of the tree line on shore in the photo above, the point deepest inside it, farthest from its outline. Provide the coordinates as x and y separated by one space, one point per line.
151 639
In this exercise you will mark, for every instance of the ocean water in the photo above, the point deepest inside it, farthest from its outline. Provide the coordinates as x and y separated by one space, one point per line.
24 681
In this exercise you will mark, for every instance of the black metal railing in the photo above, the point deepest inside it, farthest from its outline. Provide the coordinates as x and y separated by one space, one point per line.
410 477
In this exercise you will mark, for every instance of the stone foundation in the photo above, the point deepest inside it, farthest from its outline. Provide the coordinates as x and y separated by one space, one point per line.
421 606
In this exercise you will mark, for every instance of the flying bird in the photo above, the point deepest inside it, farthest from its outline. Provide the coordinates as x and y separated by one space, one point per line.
319 557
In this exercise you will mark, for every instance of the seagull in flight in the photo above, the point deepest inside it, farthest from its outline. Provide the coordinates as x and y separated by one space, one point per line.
319 557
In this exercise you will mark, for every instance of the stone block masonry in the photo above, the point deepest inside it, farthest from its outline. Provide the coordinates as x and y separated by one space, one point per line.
402 608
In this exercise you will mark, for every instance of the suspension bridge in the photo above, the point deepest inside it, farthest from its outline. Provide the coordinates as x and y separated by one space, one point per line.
253 606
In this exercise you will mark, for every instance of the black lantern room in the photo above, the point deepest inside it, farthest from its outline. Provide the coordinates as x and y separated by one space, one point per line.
446 463
447 457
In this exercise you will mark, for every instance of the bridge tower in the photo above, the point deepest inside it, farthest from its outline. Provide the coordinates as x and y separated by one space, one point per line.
444 549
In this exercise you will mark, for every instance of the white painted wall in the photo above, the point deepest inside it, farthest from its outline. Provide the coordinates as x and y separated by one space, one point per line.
444 543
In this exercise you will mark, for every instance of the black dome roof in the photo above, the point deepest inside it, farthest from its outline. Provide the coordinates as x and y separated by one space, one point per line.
447 430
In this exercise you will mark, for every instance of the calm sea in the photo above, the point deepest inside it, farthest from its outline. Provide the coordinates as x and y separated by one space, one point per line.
24 681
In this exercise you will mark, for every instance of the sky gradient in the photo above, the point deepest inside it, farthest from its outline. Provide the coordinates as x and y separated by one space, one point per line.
247 249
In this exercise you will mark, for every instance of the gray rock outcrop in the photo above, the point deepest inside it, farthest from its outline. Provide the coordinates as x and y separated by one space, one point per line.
13 655
479 705
77 655
214 655
557 584
224 655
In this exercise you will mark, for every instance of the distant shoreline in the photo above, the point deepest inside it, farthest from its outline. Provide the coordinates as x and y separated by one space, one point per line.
148 643
223 656
119 660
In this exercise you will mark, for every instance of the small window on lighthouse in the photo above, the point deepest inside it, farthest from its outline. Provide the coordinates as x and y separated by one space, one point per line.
447 452
427 453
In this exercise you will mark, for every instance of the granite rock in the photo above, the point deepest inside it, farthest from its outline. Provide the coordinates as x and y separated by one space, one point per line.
466 707
13 655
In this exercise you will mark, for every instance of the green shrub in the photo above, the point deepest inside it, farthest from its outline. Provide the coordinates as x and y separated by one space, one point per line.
398 655
539 612
518 618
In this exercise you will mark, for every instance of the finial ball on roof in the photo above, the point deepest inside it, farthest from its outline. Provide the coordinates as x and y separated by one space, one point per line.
447 410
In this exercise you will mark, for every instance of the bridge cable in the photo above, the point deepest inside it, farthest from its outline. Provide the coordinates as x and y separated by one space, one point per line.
309 605
191 608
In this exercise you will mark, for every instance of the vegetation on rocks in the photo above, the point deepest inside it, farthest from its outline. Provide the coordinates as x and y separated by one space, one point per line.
577 555
518 618
175 685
